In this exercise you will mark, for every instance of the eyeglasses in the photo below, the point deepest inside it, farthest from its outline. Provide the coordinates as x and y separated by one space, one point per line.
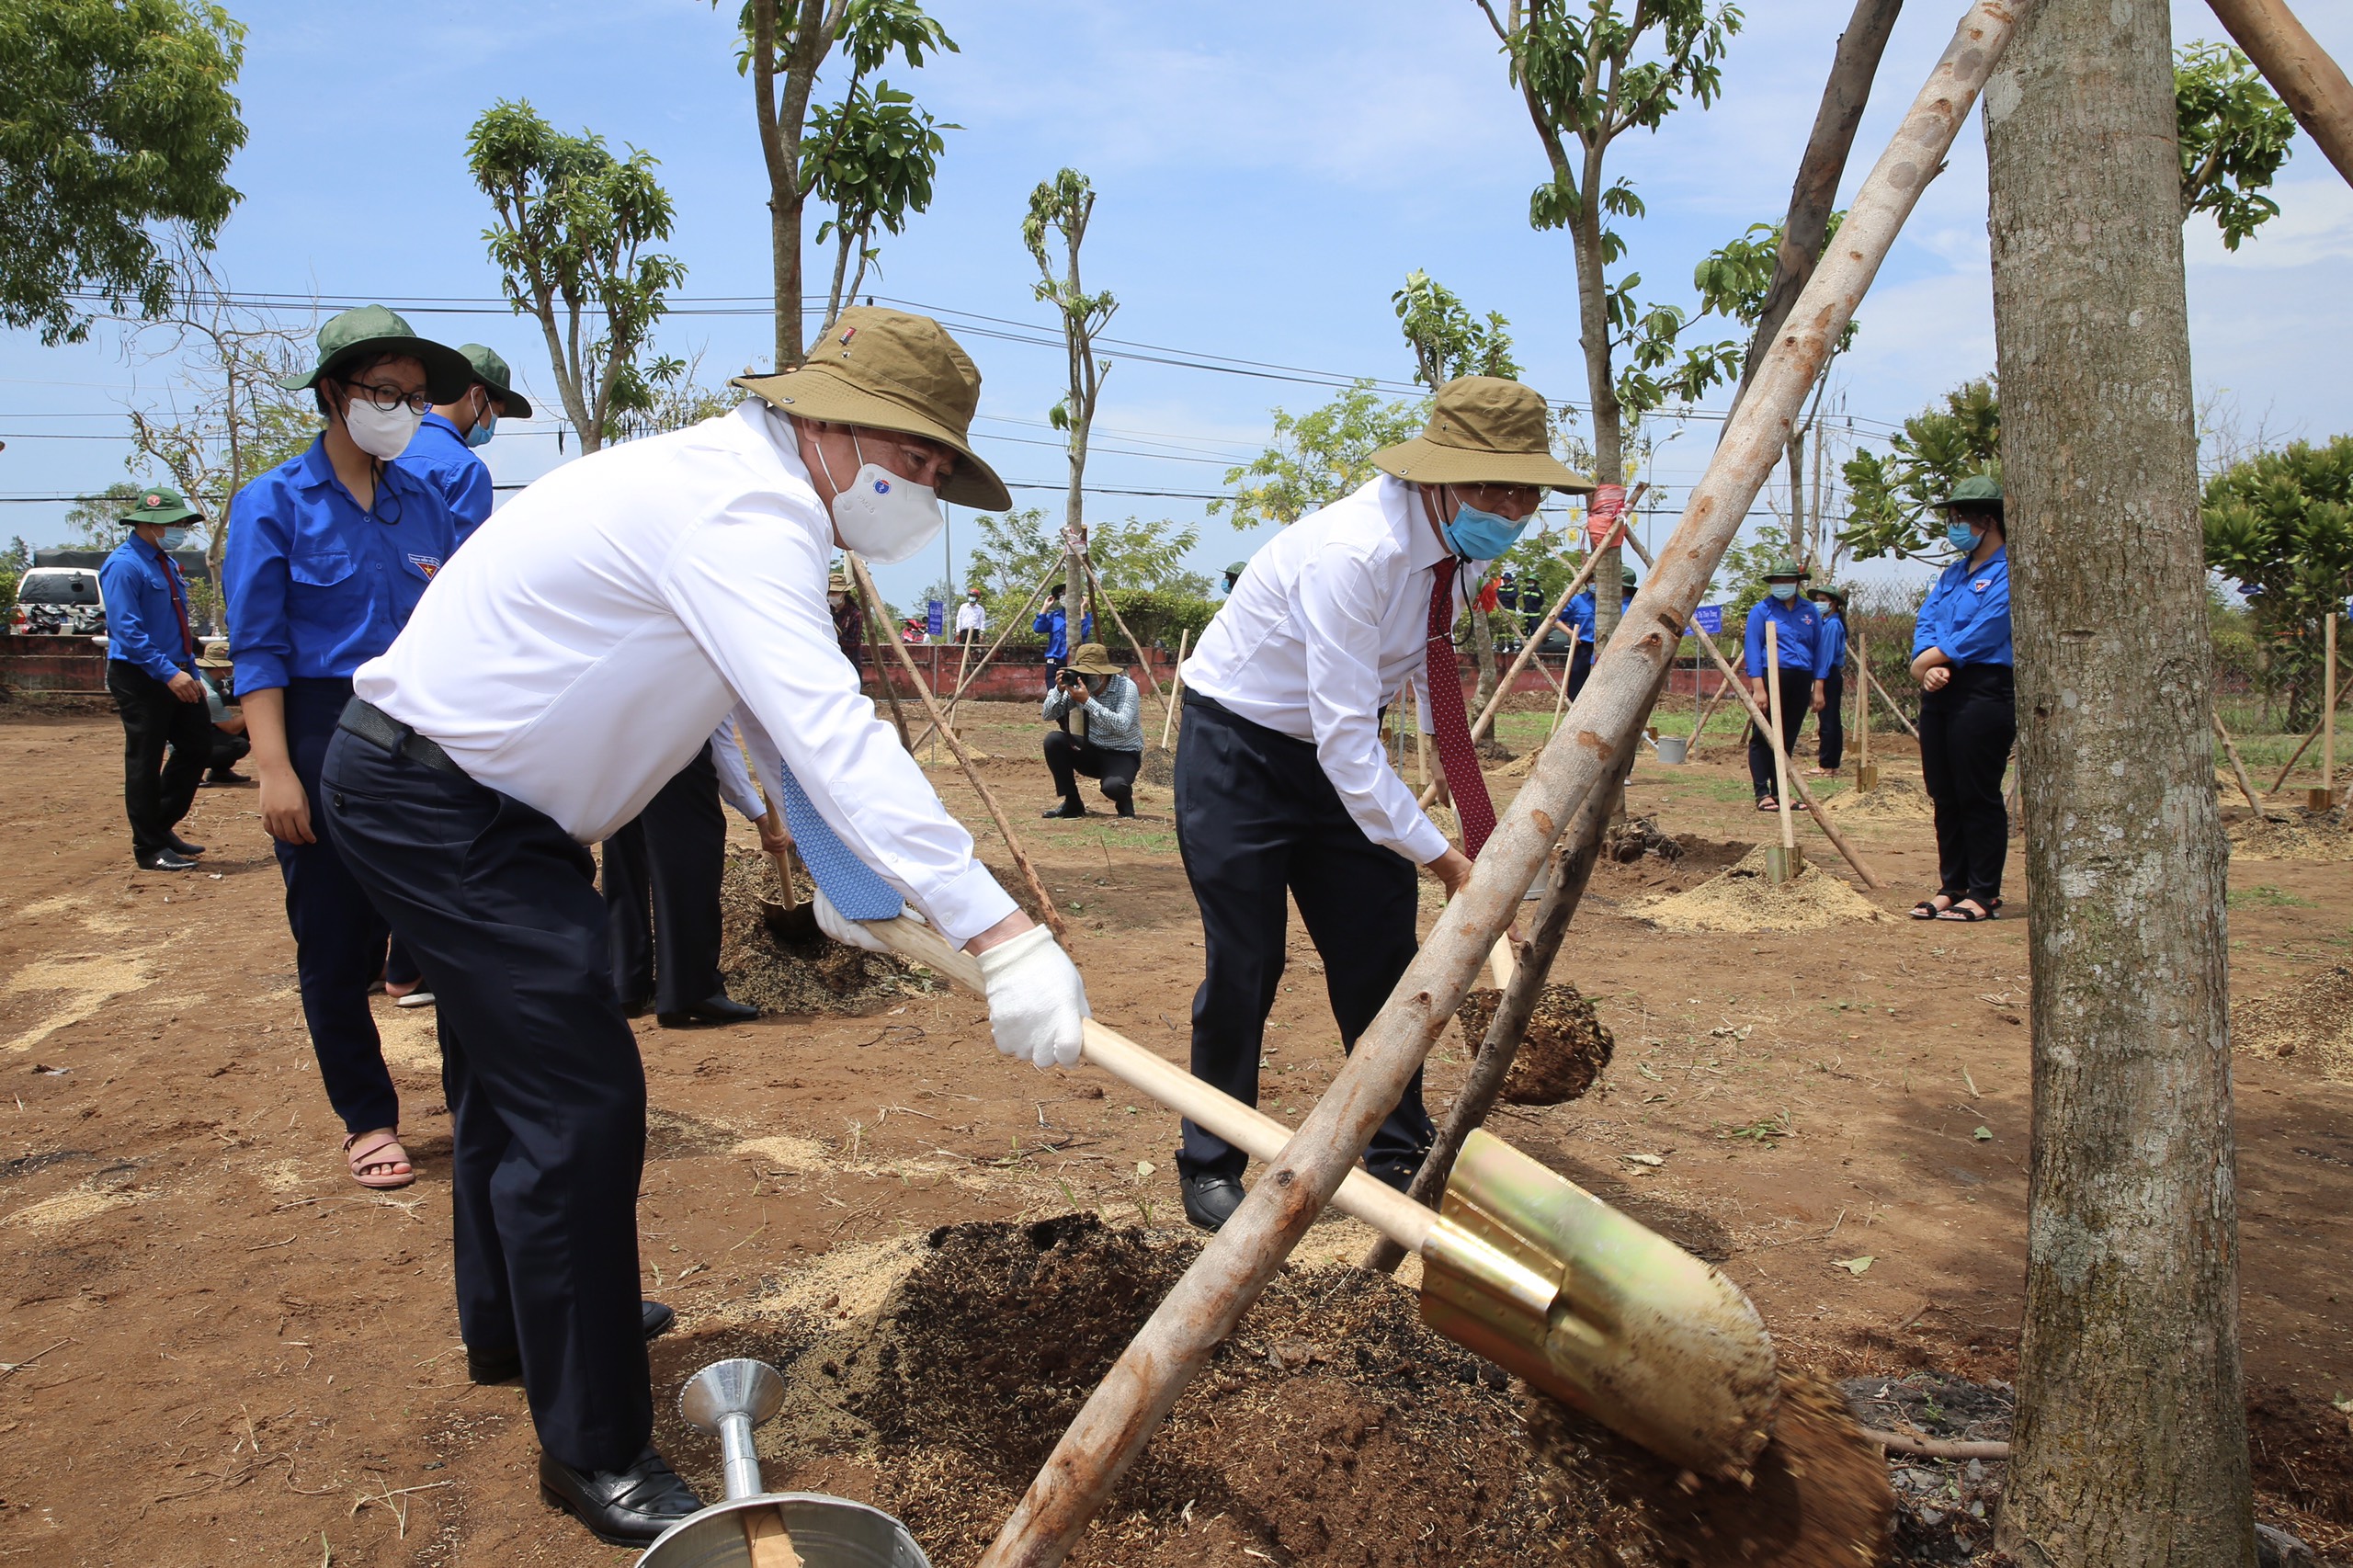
387 399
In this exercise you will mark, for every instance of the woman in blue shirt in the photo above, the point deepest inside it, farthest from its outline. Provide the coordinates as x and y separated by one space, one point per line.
1961 656
1803 656
328 553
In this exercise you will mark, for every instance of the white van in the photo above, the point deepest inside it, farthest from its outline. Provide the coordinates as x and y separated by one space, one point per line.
58 601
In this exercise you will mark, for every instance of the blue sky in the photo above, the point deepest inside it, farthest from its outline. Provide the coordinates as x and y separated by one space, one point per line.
1268 176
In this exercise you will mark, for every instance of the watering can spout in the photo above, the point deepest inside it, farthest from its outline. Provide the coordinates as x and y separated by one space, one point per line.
1551 1283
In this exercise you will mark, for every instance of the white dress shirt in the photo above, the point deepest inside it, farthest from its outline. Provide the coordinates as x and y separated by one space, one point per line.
1329 620
579 653
736 786
971 617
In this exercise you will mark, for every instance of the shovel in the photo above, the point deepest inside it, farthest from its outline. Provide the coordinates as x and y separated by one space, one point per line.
791 921
1520 1265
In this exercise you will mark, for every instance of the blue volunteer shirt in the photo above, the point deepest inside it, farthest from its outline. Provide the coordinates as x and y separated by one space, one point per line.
1577 616
441 455
316 586
1968 613
143 625
1834 644
1797 636
1054 623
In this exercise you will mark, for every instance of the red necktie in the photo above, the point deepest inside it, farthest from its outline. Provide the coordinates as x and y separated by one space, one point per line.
1452 728
179 604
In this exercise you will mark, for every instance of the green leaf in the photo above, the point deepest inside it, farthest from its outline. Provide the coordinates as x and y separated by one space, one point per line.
1983 1134
1857 1267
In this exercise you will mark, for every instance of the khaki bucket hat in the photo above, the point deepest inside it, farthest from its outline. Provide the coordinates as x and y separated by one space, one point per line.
1093 659
892 370
1483 430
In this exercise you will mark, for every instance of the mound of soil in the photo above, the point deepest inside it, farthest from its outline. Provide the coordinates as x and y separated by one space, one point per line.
1159 766
1741 899
1562 1053
1629 841
1819 1497
2296 835
2308 1025
1897 798
813 975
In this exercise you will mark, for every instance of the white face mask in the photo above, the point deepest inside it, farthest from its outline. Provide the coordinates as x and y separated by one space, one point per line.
881 516
379 434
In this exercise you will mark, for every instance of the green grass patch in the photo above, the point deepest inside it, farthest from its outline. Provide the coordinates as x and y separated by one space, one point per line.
2263 895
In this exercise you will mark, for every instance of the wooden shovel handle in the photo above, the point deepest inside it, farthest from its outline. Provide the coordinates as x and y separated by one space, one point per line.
1254 1133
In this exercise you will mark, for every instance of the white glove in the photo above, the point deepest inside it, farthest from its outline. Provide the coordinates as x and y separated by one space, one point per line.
843 929
1036 999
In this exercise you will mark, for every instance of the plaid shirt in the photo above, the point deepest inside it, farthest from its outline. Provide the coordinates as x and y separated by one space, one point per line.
1114 715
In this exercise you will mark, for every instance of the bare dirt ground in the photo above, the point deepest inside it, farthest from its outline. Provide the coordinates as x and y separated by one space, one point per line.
215 1349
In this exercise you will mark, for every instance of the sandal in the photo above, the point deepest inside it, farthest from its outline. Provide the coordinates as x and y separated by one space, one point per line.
1929 909
1766 803
373 1159
1970 912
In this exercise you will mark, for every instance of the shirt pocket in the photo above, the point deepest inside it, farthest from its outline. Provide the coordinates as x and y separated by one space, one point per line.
319 563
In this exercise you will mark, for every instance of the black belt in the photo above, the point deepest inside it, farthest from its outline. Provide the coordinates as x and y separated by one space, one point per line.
380 729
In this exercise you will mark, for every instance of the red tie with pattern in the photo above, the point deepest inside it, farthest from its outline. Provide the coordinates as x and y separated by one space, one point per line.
179 604
1452 728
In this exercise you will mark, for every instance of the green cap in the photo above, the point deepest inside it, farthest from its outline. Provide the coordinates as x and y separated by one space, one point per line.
491 371
1238 568
1785 566
1830 591
1628 578
371 330
163 505
1977 490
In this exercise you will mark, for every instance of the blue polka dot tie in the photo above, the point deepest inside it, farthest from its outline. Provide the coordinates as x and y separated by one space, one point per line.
850 884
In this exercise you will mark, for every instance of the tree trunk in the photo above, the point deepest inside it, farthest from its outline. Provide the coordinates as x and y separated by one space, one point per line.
2131 1444
1483 651
1602 386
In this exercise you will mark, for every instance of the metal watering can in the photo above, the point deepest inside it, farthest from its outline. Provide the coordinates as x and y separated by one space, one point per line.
758 1528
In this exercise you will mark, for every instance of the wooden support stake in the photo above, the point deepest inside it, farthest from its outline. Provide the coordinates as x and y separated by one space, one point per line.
1891 707
870 603
1011 622
1176 686
963 759
1294 1186
1143 659
2303 746
2238 768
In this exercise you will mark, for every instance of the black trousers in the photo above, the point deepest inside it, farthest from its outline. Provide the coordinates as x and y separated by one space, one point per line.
1068 756
228 750
668 862
1966 730
547 1094
1797 691
1256 818
1580 667
166 744
1832 732
338 937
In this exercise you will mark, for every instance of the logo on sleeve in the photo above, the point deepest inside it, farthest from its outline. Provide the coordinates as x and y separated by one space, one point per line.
426 565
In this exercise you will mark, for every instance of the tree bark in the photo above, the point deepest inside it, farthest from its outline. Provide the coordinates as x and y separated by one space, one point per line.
1602 386
2131 1449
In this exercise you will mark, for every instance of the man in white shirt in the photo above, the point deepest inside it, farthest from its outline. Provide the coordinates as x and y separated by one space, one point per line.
1282 786
667 579
972 618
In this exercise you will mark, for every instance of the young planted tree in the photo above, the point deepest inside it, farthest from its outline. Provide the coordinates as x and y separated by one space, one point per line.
1589 72
2281 525
1062 206
116 125
871 158
1893 498
571 243
2131 1449
1318 457
785 42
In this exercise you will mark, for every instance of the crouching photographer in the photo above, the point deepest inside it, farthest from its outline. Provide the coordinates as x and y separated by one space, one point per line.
1099 731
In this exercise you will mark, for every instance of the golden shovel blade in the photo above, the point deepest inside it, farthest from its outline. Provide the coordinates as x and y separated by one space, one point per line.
1637 1332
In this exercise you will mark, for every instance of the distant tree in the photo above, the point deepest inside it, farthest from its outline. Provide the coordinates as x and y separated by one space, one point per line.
1588 73
785 43
2234 135
571 246
13 563
116 125
91 522
1017 548
2281 525
1317 456
1893 496
1062 206
678 397
871 158
1447 341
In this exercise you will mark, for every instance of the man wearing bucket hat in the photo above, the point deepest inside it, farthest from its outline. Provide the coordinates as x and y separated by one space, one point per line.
669 578
151 674
1831 728
1802 652
1282 785
448 443
1099 716
330 552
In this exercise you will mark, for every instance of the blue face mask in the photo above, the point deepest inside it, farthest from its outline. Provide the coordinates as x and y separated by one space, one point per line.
1783 590
1481 536
482 432
1961 537
174 537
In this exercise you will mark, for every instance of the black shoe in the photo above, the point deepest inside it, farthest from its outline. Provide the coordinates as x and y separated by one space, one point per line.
1398 1174
488 1367
1127 807
1211 1201
620 1507
716 1008
181 846
229 777
166 860
1067 809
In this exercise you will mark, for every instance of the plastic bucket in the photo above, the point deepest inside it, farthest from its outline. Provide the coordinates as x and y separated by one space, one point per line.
1673 749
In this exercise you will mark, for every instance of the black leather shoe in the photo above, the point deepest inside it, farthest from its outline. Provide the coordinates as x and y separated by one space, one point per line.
166 860
1067 809
620 1507
716 1008
488 1367
1211 1201
181 846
